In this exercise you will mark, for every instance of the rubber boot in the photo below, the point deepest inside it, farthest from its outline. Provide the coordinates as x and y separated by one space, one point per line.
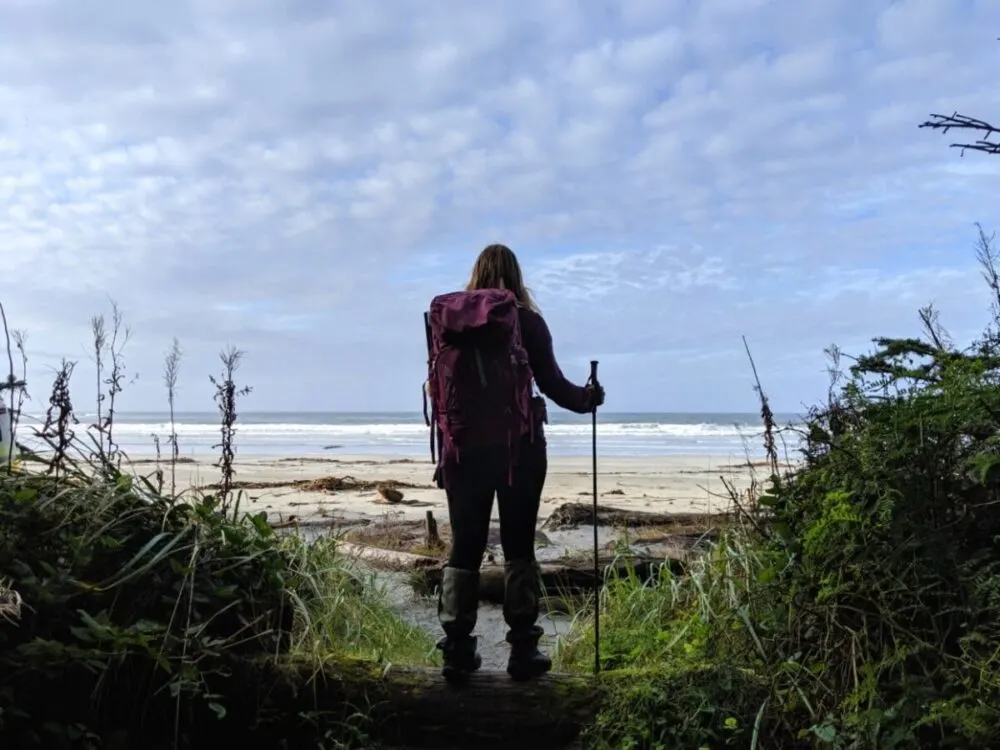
458 604
520 609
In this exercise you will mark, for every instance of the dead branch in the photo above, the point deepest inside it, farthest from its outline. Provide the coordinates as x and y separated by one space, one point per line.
955 121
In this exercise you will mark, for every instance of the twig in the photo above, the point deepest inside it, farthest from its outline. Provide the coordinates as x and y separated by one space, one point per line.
171 367
19 343
120 335
226 394
944 123
100 334
734 496
767 416
12 383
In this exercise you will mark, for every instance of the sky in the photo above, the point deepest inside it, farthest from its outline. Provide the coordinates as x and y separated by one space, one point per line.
298 179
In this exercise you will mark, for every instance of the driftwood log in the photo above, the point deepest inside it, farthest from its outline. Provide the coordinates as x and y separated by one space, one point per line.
571 515
563 579
683 542
387 559
415 707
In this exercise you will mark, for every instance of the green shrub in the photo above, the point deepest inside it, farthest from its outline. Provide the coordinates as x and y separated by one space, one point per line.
859 604
137 593
887 592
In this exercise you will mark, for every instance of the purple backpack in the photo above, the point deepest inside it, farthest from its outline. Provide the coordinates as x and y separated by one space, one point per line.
479 376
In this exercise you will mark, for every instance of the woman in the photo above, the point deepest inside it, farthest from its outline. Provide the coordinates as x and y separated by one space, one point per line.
471 483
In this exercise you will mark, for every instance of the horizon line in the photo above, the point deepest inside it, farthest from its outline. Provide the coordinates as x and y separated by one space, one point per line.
418 412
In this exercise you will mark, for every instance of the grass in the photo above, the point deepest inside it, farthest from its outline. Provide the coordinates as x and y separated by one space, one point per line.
124 599
349 611
666 648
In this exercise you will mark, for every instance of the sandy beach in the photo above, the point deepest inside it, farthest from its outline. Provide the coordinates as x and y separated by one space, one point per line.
306 488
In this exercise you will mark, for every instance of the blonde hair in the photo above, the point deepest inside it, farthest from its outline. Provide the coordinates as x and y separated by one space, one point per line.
497 268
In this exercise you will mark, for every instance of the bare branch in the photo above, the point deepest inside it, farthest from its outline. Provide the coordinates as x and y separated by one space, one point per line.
989 262
955 121
100 337
930 319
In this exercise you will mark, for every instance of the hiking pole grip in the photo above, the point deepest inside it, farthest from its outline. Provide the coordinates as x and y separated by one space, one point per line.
597 566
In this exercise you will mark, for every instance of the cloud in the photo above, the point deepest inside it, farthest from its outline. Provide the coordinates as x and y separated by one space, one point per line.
299 179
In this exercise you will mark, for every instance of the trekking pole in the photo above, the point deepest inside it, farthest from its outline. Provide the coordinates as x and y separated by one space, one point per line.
597 567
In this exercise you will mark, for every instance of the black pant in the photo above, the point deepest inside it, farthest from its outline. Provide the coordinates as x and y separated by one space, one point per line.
472 483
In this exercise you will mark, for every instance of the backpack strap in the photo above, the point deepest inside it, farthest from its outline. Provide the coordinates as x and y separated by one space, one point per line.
428 418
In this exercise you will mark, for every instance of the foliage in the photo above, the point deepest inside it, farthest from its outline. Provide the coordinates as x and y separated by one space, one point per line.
115 575
859 604
133 601
888 593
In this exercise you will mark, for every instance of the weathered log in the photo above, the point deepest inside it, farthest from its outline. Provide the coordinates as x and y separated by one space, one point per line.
387 559
563 579
415 707
571 515
682 541
295 522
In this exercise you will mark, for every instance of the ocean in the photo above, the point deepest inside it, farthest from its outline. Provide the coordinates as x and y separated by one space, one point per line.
404 433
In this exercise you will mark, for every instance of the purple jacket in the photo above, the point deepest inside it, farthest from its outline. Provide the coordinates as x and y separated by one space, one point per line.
548 376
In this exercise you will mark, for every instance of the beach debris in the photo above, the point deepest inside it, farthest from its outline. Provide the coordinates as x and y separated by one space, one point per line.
615 491
388 494
345 483
571 515
330 484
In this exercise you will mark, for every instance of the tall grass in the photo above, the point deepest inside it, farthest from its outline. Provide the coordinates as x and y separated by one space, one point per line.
343 609
681 660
